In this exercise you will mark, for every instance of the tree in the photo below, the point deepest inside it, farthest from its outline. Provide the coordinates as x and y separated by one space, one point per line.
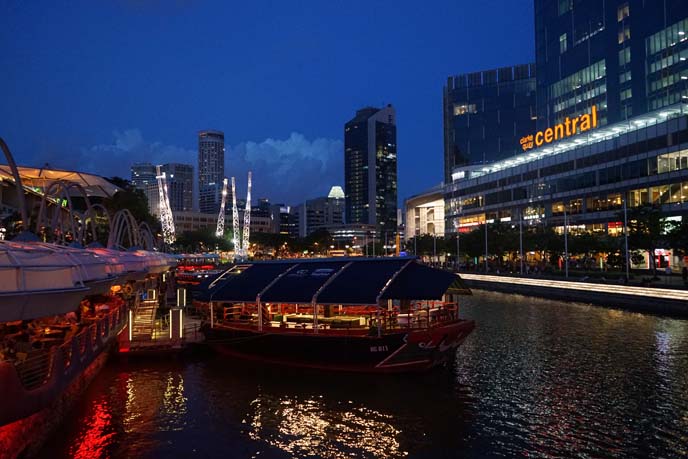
646 231
677 236
201 240
134 199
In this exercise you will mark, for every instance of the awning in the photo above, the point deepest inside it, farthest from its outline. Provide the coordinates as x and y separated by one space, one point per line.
42 178
357 281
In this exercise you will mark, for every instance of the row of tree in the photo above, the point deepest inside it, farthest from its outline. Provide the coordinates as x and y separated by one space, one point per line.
647 231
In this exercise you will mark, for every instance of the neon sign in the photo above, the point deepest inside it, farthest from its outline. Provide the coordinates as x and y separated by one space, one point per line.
568 128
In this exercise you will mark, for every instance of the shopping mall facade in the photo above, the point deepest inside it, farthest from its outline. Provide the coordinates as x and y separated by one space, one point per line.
610 127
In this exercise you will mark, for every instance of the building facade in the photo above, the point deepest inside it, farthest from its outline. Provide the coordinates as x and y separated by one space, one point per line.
584 182
425 214
211 170
179 178
486 113
370 168
143 174
315 214
626 57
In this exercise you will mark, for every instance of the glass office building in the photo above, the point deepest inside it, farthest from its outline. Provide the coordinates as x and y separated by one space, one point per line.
621 64
626 57
485 114
588 176
211 170
370 168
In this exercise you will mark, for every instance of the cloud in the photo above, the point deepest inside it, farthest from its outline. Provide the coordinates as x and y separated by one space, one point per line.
290 170
129 147
284 170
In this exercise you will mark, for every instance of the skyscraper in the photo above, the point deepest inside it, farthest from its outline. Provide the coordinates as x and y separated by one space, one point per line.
485 115
142 175
179 178
626 57
211 169
179 185
370 168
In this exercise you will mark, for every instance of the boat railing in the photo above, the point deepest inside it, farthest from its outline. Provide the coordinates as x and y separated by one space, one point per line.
35 368
418 316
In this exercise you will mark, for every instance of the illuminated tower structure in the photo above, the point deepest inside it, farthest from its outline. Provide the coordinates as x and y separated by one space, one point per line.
211 170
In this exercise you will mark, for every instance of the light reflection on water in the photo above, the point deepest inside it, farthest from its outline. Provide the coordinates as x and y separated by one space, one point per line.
537 378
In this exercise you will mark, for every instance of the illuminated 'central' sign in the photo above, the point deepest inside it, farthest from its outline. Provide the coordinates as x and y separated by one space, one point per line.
560 131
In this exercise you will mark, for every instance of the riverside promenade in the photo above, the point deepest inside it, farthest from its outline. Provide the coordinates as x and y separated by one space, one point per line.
669 299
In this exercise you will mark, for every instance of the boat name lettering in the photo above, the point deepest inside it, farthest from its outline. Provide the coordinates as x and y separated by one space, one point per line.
379 348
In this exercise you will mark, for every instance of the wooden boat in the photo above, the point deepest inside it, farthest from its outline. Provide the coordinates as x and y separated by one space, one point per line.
352 314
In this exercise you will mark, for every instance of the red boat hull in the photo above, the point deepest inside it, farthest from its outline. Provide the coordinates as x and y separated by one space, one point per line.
395 351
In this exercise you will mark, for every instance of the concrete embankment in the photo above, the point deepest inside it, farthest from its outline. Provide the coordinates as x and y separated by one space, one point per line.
673 302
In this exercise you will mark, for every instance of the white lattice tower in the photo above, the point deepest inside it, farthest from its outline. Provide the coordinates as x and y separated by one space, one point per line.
235 220
220 231
166 218
247 219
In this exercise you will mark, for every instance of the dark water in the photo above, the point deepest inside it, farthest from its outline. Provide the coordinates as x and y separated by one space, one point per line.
536 379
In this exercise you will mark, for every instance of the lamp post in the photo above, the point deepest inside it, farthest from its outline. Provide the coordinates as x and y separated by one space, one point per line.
566 245
486 243
434 246
520 237
626 236
458 249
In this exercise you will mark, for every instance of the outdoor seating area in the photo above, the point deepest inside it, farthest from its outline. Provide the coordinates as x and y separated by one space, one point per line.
419 314
22 340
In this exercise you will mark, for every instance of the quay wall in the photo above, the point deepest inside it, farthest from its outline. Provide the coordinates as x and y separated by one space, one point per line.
645 304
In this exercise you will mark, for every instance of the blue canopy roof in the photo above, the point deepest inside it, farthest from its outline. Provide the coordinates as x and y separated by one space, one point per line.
361 281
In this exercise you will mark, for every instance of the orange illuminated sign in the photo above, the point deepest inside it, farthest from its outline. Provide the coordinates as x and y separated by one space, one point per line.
568 128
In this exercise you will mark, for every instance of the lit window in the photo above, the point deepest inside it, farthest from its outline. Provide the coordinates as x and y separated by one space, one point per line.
562 44
622 12
624 33
463 109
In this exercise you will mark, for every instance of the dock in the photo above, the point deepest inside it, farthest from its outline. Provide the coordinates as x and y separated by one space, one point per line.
151 331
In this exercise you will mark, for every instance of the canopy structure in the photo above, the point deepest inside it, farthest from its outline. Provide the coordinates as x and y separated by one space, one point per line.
353 281
42 178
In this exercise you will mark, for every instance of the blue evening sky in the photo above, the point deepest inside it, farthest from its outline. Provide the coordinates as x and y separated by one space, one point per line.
98 85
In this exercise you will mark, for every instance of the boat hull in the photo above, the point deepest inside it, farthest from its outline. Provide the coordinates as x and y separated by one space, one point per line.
393 352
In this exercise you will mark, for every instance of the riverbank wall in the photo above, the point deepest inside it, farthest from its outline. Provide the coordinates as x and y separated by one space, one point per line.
663 301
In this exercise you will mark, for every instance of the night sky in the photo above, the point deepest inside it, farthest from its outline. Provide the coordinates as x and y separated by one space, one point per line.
98 85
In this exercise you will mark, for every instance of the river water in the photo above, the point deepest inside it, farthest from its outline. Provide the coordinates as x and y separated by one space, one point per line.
537 378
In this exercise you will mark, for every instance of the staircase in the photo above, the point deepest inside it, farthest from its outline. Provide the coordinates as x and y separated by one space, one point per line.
144 320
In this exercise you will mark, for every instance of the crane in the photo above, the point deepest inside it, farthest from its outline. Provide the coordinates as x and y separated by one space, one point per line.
235 220
240 240
166 218
220 231
247 219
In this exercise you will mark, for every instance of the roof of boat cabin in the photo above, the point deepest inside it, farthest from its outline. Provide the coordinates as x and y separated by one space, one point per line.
356 281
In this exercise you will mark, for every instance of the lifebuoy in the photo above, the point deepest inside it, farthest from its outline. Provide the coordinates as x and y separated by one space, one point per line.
128 289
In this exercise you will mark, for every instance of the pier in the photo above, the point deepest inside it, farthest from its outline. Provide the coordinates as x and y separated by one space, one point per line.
150 330
654 300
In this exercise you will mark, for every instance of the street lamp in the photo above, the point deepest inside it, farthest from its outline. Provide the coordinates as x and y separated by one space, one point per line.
625 196
566 243
520 237
485 242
